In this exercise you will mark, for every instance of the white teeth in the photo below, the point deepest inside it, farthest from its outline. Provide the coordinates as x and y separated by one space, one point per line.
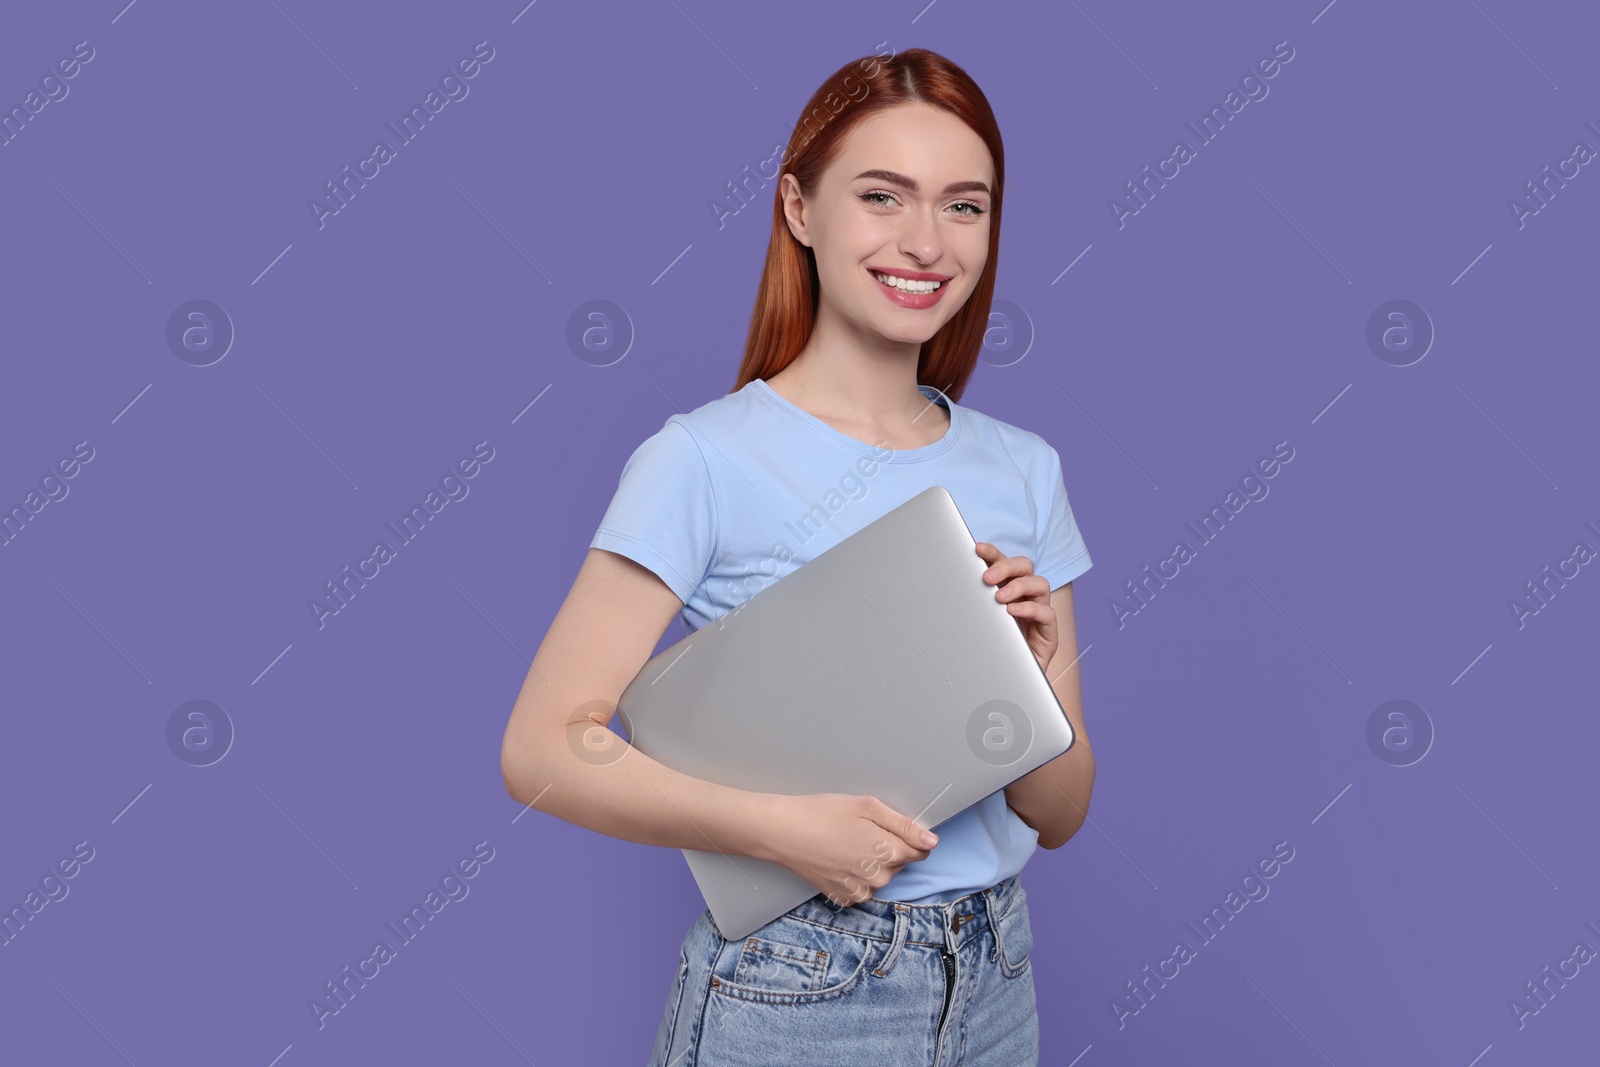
907 285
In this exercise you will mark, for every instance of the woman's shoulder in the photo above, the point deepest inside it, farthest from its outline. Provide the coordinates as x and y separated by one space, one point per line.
724 418
697 436
1021 444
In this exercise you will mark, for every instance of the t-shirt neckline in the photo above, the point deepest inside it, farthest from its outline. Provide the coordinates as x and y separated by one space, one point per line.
851 444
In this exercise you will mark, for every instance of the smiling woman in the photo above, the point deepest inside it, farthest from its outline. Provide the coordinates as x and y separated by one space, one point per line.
868 321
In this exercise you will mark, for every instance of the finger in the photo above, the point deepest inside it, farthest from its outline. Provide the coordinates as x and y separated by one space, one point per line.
999 563
1043 614
1006 567
914 834
1027 585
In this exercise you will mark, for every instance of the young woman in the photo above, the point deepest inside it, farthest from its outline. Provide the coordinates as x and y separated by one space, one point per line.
868 321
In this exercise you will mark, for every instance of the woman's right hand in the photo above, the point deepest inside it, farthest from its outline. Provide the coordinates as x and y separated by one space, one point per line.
847 846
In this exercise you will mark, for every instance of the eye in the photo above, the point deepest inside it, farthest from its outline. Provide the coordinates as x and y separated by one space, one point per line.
973 209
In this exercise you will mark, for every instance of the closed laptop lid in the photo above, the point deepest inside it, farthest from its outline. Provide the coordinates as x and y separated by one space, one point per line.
884 666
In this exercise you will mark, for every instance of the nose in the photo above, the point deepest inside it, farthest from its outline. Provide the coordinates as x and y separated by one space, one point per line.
919 237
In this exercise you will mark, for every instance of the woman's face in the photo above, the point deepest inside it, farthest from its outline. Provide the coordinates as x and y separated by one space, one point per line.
910 194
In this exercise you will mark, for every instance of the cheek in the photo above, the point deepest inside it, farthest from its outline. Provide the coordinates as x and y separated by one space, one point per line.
974 253
845 262
842 269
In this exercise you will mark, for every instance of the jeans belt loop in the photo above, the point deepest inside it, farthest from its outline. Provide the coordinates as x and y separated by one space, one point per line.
901 924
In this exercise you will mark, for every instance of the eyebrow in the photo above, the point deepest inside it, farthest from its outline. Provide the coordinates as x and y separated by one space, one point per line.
911 183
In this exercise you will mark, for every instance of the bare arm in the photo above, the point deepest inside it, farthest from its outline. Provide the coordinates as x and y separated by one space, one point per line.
1054 799
606 629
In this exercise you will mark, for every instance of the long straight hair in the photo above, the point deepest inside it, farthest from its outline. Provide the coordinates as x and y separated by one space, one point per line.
786 301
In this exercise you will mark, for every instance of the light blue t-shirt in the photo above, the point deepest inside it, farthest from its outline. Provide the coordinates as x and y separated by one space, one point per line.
725 500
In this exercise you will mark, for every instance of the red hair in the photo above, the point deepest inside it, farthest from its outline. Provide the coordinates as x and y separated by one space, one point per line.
786 300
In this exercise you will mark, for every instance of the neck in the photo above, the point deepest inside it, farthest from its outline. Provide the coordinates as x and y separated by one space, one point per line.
867 377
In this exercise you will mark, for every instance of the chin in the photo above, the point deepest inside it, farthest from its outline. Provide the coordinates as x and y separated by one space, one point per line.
909 337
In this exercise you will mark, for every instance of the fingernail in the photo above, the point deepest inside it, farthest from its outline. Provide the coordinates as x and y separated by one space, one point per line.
929 839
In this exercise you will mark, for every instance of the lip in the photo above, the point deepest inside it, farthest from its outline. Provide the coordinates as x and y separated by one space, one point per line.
911 301
911 275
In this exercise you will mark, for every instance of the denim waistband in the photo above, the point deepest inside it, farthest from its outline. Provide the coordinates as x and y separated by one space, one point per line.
948 924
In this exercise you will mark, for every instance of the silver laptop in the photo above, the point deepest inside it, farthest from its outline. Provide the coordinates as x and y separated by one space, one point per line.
885 666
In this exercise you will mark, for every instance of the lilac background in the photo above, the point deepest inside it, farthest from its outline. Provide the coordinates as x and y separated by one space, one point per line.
432 312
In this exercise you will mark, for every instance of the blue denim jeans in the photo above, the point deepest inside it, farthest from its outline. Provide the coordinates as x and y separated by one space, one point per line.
880 982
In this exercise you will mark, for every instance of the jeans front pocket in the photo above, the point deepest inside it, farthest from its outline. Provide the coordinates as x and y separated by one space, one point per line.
796 962
1013 935
765 964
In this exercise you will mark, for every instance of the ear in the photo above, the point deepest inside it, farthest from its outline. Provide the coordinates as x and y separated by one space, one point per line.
794 208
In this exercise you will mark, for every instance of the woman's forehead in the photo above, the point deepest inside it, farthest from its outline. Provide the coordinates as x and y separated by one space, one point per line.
927 144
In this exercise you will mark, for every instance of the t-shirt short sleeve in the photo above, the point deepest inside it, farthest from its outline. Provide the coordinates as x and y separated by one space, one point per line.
1063 555
664 515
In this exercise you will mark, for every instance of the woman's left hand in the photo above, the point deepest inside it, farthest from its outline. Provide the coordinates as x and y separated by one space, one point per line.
1026 596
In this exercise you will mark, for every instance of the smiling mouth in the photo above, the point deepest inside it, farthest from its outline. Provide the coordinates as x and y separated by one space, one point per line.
906 285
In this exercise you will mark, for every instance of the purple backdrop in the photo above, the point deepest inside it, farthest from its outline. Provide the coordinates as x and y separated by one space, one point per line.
217 398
